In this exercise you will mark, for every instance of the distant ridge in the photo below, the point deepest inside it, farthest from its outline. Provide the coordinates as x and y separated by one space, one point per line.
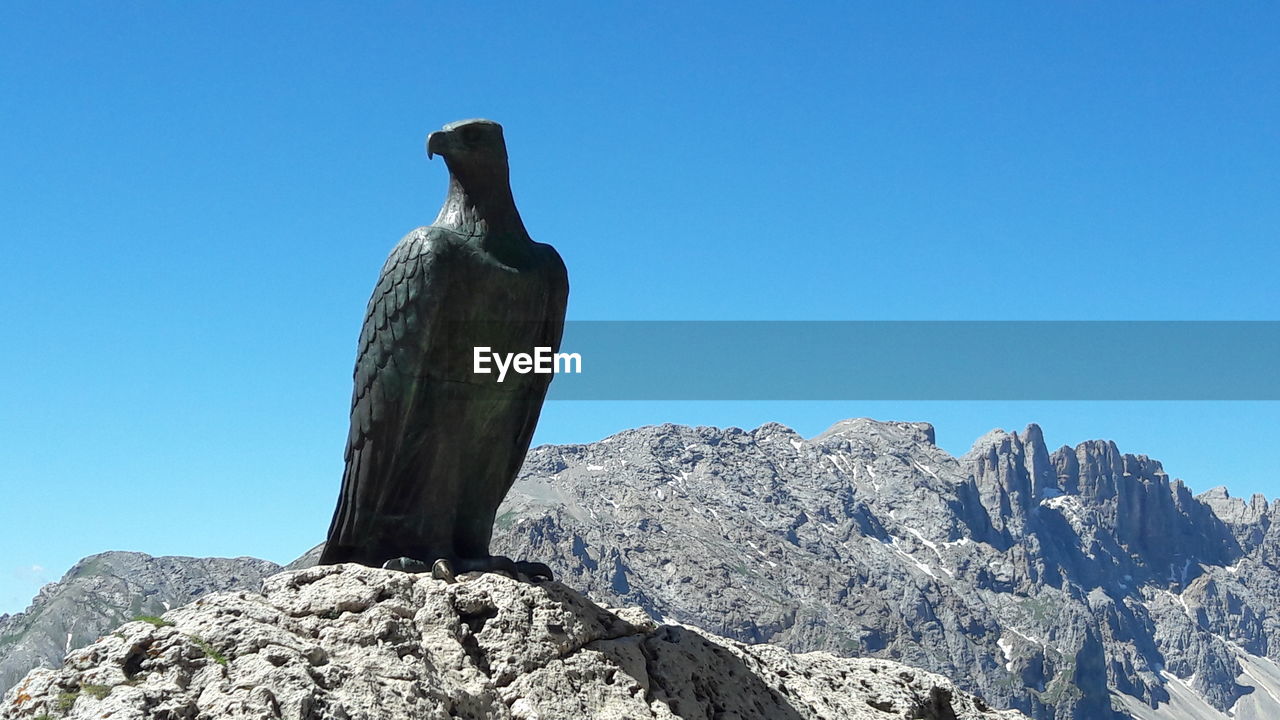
102 591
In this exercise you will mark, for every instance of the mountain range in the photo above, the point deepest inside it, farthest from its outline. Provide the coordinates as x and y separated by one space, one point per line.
1080 583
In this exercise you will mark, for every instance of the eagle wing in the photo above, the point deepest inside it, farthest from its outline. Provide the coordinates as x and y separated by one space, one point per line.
397 328
557 277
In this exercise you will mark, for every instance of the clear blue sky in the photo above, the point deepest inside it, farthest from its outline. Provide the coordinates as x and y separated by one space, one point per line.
196 199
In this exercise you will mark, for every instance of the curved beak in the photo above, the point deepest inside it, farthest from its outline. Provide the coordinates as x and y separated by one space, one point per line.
437 143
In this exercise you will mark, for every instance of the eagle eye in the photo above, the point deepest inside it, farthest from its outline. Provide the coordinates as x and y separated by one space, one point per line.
471 135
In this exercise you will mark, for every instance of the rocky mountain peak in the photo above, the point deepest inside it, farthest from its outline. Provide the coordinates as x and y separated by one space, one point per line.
1104 472
1013 473
901 432
1251 522
1124 509
103 590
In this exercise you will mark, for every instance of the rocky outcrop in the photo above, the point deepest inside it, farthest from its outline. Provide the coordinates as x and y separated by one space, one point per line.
349 642
1157 524
104 590
1249 521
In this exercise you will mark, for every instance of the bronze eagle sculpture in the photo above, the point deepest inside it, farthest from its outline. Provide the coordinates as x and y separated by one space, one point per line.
433 446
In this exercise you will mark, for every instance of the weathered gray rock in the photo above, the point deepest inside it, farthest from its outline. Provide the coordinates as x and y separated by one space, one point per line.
349 642
104 590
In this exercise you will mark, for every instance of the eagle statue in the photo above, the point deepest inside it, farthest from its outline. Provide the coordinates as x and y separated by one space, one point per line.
434 446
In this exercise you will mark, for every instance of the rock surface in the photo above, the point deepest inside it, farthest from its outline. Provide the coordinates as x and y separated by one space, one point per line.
104 590
349 642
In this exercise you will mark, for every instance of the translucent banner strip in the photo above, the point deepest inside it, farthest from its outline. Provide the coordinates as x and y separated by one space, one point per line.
820 360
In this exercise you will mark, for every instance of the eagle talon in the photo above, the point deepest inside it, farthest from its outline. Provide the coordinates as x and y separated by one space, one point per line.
443 570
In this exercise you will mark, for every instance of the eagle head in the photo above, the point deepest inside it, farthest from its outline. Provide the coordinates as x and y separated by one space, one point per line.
468 142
